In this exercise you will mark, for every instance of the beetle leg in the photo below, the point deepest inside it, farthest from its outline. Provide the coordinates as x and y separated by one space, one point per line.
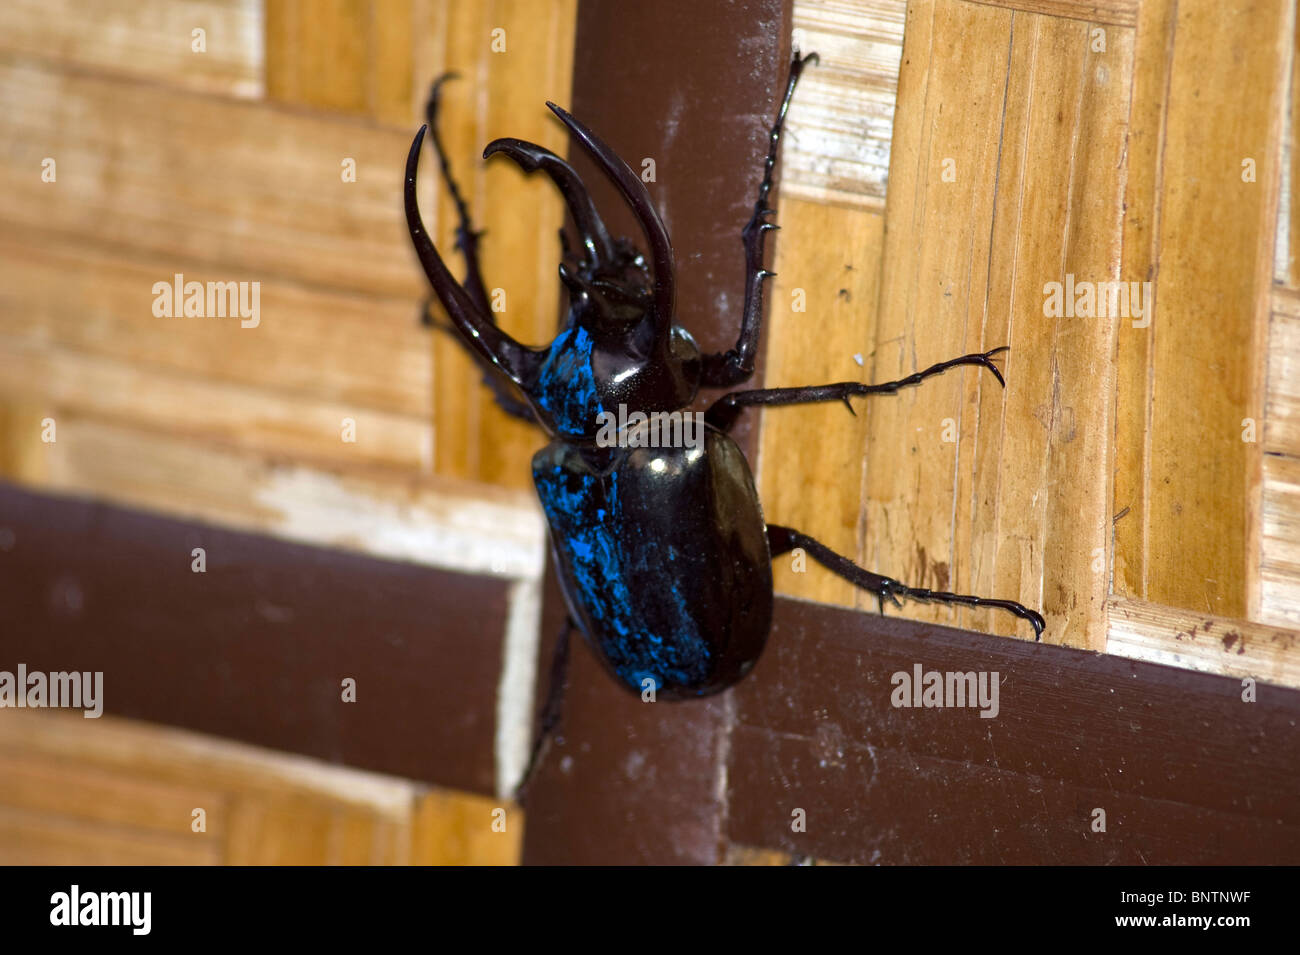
551 711
466 237
467 242
725 369
722 413
508 356
784 539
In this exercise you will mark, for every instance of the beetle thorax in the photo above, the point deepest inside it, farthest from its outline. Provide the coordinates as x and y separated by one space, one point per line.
604 358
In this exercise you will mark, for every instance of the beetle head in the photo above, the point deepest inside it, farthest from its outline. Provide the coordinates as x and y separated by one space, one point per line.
617 344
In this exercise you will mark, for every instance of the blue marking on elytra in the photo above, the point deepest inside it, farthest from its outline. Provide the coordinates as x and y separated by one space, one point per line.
566 385
600 569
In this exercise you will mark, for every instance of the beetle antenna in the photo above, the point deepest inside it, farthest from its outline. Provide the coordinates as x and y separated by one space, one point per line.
636 195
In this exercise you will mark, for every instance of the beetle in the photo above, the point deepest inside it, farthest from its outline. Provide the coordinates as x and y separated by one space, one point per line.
663 553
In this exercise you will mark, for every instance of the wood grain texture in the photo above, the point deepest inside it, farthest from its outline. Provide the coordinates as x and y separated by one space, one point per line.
1280 542
810 456
251 190
145 39
1133 361
82 385
76 297
1121 13
1030 120
118 792
78 337
1282 411
1199 487
319 53
1083 158
836 149
1237 648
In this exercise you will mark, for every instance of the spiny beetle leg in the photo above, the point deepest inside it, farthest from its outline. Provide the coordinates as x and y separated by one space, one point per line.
552 710
736 365
467 242
784 539
466 237
722 413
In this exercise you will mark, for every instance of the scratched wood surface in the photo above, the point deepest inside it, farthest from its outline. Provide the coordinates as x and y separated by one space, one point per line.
112 791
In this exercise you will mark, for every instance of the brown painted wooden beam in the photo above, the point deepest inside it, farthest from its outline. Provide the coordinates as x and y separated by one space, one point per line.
691 86
256 648
1185 770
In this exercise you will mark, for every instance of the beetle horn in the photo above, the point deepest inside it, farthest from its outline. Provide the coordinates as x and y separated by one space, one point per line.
530 157
634 192
517 361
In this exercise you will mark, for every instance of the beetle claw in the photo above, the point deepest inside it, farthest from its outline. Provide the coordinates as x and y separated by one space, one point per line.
988 363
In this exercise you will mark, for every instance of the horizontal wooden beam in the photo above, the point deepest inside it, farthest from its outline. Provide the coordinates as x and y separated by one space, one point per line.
257 646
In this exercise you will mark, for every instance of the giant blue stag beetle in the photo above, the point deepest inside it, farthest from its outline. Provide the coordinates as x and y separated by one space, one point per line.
663 554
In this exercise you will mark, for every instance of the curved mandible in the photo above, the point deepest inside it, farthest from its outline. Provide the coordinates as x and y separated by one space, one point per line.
516 360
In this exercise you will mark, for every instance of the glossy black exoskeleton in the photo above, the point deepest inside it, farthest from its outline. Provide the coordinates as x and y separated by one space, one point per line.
662 552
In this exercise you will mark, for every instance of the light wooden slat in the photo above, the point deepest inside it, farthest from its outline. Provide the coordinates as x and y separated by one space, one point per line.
909 526
1133 367
330 347
174 756
67 382
1280 542
1282 412
1034 123
251 188
346 56
838 138
148 39
1175 637
396 95
283 830
821 444
1279 574
92 795
318 53
1200 511
43 838
456 829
